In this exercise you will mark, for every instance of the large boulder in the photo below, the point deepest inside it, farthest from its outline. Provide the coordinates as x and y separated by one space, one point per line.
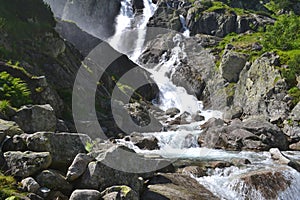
63 147
251 134
265 183
119 165
177 187
36 118
259 94
25 164
78 166
231 65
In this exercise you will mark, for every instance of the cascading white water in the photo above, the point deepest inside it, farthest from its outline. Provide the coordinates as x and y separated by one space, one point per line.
148 12
225 183
171 95
123 23
186 30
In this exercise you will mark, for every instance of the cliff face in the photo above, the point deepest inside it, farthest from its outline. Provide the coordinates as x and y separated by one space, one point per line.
31 48
97 17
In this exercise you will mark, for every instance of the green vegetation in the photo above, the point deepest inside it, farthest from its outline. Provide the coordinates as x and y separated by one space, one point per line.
22 22
8 188
14 90
284 35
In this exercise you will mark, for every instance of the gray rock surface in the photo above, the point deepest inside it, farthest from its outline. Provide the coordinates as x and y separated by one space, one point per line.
63 147
231 65
85 194
25 164
36 118
251 134
78 166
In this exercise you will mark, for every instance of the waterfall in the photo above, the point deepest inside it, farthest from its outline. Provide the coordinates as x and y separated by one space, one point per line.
123 24
170 94
148 12
186 31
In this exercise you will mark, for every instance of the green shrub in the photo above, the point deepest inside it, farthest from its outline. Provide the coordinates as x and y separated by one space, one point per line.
14 90
284 34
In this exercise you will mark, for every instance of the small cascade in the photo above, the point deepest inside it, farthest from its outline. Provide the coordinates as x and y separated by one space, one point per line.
186 31
123 24
148 12
170 94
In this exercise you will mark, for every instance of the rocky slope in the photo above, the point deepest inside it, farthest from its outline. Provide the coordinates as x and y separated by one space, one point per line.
224 62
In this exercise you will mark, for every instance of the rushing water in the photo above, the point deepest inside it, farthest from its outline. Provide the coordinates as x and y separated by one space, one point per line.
224 183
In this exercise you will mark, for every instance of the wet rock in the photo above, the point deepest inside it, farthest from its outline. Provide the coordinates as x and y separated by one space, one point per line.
78 166
269 183
54 180
251 134
177 187
9 128
85 194
282 159
198 118
149 143
36 118
63 147
119 192
25 164
30 185
172 112
232 64
196 171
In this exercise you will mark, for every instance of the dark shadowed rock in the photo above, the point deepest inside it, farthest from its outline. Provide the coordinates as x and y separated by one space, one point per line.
85 194
54 180
177 187
24 164
149 143
16 143
36 118
172 112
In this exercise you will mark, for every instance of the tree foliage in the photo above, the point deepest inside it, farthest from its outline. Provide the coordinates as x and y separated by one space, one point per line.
284 34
